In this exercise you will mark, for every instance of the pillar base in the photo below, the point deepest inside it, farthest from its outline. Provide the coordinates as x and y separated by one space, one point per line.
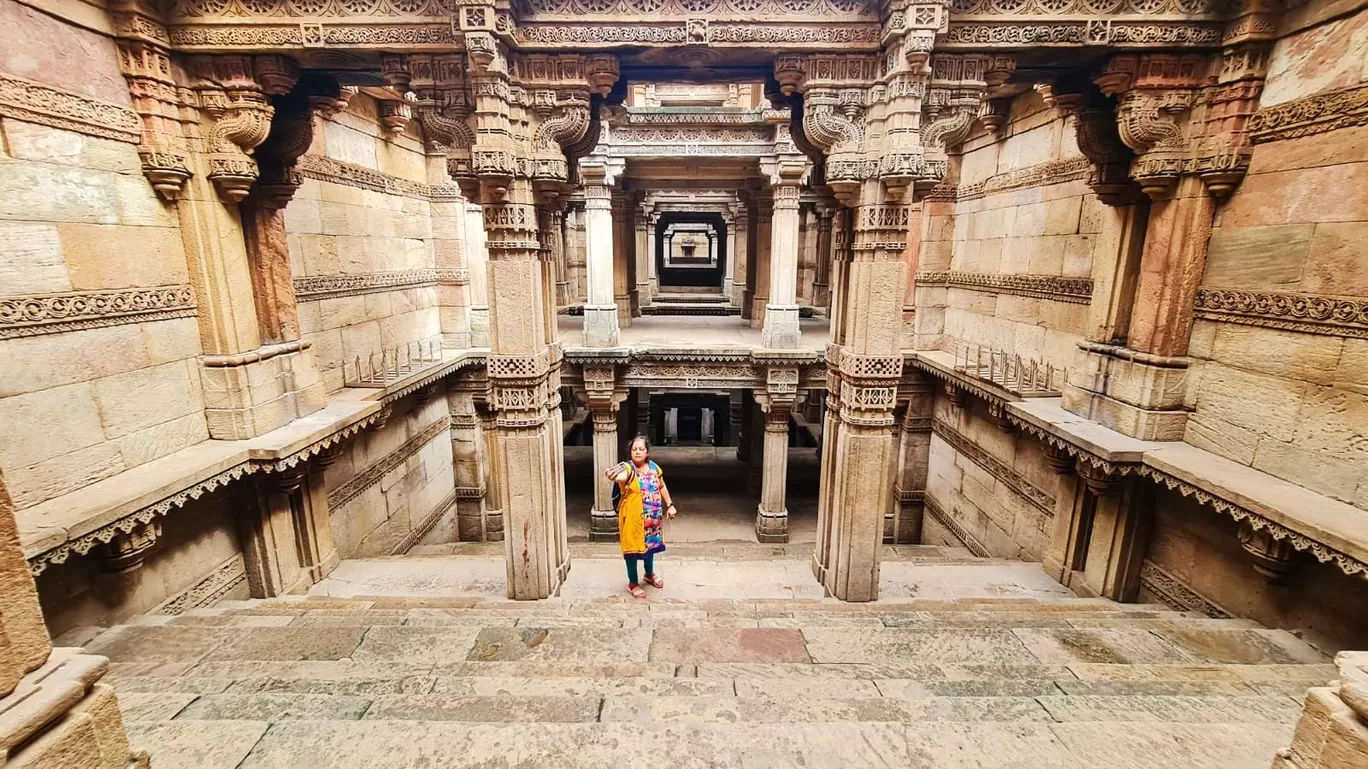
771 526
1134 393
603 526
601 326
644 293
781 327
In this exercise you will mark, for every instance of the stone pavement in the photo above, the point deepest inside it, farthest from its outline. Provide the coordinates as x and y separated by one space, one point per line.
964 663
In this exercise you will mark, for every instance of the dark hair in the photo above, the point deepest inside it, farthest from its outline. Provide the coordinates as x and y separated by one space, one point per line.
644 442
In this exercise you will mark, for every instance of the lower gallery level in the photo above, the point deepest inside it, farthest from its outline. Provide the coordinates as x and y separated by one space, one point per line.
1005 364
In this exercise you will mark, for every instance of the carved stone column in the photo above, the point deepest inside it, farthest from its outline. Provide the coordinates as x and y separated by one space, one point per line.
601 317
477 256
912 464
565 288
821 293
642 254
624 263
494 480
755 453
764 207
468 461
781 330
776 403
604 405
740 256
286 531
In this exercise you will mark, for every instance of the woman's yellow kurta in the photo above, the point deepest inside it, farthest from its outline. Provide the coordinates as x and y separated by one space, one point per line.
641 510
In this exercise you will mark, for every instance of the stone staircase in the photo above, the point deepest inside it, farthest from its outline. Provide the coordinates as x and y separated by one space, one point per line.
1026 678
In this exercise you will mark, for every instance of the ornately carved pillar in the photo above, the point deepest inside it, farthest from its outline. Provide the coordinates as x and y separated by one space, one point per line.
740 256
477 259
468 461
914 452
776 401
764 207
821 294
781 313
601 319
642 254
604 406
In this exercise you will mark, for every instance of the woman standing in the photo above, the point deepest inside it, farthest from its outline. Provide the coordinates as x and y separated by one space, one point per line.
643 504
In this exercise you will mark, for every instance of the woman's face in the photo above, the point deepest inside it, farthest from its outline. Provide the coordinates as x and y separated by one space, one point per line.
639 451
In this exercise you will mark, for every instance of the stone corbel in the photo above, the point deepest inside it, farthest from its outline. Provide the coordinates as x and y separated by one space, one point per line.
290 137
1095 127
1098 480
1059 459
395 116
163 152
958 86
1270 557
233 90
126 550
997 414
956 395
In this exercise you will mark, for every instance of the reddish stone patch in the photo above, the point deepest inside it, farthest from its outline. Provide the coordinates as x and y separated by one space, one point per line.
729 645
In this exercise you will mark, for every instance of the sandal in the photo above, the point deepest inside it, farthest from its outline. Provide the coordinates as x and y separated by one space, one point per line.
636 591
655 582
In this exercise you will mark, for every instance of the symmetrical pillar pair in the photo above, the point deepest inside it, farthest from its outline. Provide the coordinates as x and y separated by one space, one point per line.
1178 136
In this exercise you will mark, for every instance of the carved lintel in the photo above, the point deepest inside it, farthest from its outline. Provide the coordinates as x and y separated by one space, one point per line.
126 550
1270 557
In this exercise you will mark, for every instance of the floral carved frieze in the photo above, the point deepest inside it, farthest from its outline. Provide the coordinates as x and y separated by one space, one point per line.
1042 175
712 9
1150 8
33 102
1291 312
183 9
1008 34
1312 115
370 476
995 467
228 36
1175 594
1053 287
315 287
55 313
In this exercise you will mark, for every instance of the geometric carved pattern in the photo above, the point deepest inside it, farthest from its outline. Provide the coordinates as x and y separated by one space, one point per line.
1010 478
934 509
1293 312
1053 287
1173 593
208 591
327 169
1312 115
1042 175
55 313
26 100
314 287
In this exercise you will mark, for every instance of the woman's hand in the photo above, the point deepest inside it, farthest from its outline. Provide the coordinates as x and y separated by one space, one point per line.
670 511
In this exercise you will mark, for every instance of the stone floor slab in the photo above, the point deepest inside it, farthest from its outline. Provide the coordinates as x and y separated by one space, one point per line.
1242 646
891 645
729 645
287 644
196 745
1103 645
566 686
158 644
420 645
1247 710
275 707
500 708
560 644
795 710
153 707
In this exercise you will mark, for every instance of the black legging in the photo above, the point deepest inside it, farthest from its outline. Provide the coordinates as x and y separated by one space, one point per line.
632 567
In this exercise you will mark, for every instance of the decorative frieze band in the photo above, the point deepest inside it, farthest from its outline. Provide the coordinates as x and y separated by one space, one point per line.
1312 115
1052 287
933 507
1291 312
316 287
1042 175
372 475
995 467
1174 594
453 276
325 169
416 536
56 313
33 102
215 586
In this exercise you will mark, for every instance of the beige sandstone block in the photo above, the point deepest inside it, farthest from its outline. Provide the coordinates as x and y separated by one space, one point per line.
46 192
1257 257
1337 261
1331 476
1030 220
104 256
379 306
39 143
349 145
42 425
61 55
1203 341
1264 404
341 311
1221 438
1323 58
1033 143
1330 194
1287 354
1048 256
1062 216
319 255
1345 145
139 204
33 261
36 483
1015 256
21 617
302 216
150 396
171 340
160 440
1335 422
1352 372
54 360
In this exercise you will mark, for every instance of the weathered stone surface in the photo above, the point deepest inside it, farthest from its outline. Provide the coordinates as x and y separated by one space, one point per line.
917 646
560 644
158 644
740 645
294 706
287 644
1175 709
501 708
162 706
1244 647
197 745
1109 645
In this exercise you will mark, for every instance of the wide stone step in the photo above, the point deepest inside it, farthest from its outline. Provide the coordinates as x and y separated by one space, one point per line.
952 745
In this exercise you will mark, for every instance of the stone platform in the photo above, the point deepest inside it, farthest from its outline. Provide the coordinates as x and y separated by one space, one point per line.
973 664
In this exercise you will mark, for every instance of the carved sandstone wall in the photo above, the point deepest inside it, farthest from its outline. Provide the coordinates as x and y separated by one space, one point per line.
1282 317
1008 251
361 240
97 331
